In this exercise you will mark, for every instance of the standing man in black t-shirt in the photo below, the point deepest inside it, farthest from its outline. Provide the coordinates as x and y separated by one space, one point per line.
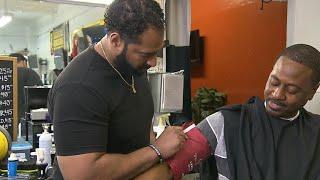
101 103
26 77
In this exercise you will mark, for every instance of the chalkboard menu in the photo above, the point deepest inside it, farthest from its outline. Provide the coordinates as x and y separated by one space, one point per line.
8 95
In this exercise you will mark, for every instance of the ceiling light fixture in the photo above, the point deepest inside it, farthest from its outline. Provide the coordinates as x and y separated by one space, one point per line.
94 3
4 20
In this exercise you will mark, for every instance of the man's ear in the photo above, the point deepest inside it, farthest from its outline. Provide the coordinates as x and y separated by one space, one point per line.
117 43
317 87
314 90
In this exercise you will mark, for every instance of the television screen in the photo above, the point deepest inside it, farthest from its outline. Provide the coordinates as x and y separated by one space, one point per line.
60 58
94 34
33 61
196 47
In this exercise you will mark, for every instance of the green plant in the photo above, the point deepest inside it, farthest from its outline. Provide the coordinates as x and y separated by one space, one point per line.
205 102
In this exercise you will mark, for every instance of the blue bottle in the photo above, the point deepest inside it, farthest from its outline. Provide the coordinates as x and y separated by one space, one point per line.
12 165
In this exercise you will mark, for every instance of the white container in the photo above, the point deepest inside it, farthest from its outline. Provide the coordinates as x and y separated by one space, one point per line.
45 142
167 91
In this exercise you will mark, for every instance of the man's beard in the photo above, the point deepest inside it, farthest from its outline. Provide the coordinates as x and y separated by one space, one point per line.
123 65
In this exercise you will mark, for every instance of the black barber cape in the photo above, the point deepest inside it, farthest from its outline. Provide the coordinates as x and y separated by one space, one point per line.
261 147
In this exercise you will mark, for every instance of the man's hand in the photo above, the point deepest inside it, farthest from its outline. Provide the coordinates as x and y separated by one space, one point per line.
170 141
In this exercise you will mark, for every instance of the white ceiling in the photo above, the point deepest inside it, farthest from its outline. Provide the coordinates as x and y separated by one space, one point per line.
28 14
28 9
32 10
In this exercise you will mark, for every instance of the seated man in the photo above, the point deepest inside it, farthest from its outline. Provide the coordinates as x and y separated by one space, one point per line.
26 77
274 138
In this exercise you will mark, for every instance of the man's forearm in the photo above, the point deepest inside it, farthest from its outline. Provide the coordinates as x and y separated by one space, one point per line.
106 166
126 166
120 166
157 172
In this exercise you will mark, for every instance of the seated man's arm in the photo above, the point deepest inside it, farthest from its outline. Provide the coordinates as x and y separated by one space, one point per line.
202 142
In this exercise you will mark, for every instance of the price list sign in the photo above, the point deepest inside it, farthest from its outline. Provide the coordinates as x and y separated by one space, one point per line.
8 95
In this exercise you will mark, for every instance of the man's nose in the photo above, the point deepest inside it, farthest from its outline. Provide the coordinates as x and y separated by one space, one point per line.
279 93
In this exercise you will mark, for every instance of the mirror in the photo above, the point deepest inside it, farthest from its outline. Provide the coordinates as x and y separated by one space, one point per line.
46 32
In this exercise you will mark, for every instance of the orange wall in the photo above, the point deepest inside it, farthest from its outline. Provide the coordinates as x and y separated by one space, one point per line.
241 45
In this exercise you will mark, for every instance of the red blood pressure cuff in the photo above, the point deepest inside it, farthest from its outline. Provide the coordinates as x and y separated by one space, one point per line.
194 150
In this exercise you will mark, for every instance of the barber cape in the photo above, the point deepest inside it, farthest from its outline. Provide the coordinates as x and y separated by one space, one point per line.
261 147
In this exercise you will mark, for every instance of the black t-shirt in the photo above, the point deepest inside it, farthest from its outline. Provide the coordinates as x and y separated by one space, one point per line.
94 110
26 77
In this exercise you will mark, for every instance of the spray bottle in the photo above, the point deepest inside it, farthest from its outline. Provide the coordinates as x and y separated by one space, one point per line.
45 142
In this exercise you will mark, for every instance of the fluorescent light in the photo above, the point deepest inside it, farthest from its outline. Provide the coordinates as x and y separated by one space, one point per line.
95 3
4 20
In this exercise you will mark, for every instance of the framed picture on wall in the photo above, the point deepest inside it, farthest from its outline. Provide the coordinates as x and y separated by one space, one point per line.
59 37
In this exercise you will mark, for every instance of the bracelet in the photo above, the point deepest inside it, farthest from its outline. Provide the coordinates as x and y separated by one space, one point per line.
157 152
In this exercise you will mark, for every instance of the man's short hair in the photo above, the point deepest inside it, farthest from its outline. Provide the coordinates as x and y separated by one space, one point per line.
19 57
306 55
130 18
